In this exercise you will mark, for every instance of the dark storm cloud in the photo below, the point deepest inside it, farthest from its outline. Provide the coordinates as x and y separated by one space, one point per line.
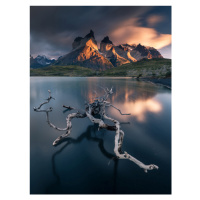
53 28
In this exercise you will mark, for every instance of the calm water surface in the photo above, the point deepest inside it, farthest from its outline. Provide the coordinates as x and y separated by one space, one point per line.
84 164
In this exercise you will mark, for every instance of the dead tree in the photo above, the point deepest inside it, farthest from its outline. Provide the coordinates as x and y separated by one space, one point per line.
92 110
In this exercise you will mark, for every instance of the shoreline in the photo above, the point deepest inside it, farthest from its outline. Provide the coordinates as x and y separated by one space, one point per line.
166 82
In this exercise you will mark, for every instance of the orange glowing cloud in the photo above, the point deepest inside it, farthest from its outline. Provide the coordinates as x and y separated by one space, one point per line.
146 36
154 19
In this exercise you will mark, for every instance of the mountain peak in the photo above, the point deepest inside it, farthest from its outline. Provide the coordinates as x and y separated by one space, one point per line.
107 40
90 34
87 40
105 44
144 51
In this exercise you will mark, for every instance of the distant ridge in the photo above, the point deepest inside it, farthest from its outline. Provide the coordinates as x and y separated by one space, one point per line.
40 61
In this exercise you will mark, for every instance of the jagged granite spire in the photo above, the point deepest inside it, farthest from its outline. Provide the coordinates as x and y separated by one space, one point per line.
90 34
144 51
105 44
107 40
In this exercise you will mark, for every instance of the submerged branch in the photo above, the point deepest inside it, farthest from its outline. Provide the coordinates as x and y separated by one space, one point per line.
48 100
69 107
118 143
69 126
119 110
97 107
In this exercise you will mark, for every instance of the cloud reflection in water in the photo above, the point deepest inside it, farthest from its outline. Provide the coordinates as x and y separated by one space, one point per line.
137 107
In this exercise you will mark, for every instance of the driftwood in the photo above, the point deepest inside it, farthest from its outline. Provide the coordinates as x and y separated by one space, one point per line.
92 110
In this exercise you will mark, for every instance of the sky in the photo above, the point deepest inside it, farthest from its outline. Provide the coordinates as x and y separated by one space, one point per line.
54 28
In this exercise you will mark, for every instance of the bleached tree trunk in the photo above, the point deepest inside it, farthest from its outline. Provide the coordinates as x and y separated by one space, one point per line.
97 107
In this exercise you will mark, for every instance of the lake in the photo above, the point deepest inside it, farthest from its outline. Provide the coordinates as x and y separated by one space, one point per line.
84 163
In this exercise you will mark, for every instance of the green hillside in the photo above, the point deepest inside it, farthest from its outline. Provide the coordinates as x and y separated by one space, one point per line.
146 68
70 70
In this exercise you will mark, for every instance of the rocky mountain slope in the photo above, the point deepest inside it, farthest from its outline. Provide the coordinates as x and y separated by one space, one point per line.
85 53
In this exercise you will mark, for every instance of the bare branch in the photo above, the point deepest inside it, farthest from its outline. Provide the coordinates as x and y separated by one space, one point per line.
118 143
69 107
97 107
119 110
69 126
48 100
101 123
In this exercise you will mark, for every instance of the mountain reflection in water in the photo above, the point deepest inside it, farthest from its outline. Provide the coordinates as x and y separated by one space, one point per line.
129 101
